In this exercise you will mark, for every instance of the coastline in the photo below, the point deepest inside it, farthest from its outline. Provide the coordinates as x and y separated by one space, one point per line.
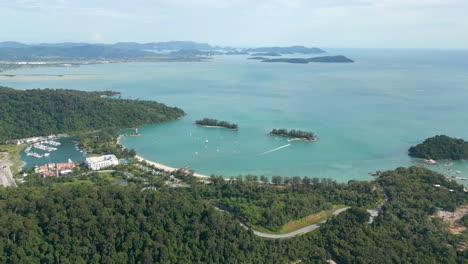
167 168
159 165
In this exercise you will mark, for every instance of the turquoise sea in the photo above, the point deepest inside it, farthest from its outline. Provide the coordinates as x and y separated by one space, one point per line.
366 114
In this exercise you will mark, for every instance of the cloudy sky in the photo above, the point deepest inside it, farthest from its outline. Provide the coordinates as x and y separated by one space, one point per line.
324 23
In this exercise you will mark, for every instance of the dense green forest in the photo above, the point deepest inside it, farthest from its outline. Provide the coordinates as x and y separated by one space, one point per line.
62 220
299 134
215 122
48 111
440 147
269 207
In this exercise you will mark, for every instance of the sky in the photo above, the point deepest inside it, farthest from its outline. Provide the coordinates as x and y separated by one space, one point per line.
241 23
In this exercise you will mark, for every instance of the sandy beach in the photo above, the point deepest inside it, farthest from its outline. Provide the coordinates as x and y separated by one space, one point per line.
166 168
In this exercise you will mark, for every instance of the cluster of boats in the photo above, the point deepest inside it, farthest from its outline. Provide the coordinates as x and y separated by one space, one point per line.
47 146
78 149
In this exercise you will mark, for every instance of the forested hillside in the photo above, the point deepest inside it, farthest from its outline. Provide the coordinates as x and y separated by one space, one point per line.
440 147
55 221
48 111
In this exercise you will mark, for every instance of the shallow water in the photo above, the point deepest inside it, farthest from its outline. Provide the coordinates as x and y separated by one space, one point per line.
366 114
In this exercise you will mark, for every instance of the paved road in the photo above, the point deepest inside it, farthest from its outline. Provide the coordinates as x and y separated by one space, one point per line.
301 231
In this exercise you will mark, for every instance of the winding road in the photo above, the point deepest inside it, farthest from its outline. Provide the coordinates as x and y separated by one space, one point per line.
301 231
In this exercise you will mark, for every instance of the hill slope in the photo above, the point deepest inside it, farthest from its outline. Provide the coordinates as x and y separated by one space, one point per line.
43 112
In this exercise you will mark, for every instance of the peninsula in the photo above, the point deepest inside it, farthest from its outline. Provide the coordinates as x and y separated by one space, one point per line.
42 112
211 122
294 135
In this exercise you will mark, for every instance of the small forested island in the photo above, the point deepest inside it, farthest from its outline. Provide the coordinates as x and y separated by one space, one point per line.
41 112
294 134
323 59
211 122
440 147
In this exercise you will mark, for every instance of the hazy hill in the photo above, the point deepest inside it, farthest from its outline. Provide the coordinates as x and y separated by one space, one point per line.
87 52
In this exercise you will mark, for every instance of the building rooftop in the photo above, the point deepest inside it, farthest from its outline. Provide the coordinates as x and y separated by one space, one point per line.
100 158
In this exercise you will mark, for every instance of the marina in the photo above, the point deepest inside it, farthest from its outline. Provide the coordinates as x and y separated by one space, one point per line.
57 150
367 114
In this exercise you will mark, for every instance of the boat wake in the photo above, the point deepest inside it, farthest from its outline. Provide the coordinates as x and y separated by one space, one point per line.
275 149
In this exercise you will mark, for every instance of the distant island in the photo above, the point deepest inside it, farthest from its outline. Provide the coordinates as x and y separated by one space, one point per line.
16 55
269 54
440 147
257 58
294 134
324 59
211 122
287 50
42 112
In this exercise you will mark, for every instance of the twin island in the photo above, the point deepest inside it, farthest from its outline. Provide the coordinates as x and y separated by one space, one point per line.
292 135
211 122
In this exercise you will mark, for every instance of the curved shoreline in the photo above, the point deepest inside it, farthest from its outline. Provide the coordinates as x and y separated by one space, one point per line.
167 168
159 165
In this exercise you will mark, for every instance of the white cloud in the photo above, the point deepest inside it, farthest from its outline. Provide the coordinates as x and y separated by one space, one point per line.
357 23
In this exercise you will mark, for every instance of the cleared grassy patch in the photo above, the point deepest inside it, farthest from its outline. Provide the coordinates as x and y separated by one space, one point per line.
12 153
303 222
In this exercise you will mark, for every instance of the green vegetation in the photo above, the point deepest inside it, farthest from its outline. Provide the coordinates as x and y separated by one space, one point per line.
404 232
44 112
74 53
104 142
441 147
271 207
294 134
309 220
93 219
216 123
12 152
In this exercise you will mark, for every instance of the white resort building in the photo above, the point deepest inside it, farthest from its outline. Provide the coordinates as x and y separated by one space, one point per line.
97 163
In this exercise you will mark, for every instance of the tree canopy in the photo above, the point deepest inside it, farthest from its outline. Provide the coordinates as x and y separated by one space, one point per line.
103 222
440 147
40 112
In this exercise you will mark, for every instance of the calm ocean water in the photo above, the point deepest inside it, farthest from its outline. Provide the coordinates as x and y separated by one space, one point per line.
366 114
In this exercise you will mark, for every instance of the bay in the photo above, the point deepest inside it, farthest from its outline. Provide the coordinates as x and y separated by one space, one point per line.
366 114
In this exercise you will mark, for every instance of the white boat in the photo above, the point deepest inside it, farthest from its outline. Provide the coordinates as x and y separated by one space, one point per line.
53 143
45 148
46 154
34 154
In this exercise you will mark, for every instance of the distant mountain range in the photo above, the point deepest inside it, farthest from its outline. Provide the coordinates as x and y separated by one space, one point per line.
169 45
85 52
11 51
